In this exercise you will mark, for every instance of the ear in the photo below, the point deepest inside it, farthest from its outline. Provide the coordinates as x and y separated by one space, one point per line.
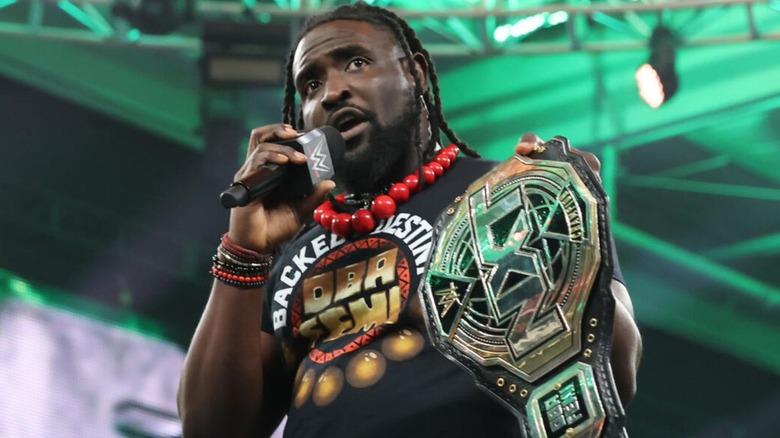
421 64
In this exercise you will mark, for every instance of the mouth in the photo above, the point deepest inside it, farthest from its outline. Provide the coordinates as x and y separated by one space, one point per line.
350 122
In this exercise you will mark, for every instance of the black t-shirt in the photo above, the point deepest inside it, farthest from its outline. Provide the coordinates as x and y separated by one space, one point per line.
352 307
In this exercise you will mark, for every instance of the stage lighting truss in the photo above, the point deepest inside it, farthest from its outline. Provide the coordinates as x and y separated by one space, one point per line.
448 27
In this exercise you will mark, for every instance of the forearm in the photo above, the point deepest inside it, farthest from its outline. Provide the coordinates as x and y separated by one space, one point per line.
221 388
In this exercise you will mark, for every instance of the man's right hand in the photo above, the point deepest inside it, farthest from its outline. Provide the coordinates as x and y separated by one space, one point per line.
261 227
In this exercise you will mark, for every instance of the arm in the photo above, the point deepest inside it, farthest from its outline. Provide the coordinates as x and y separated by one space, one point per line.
626 341
233 382
626 344
231 368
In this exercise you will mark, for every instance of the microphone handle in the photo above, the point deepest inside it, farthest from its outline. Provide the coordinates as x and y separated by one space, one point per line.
259 184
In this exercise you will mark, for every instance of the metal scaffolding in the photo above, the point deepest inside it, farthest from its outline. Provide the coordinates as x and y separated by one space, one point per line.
450 28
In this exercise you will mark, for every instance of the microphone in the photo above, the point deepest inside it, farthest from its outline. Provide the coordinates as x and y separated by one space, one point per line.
324 149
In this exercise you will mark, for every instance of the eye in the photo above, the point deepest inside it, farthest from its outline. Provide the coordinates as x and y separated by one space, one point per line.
356 64
310 87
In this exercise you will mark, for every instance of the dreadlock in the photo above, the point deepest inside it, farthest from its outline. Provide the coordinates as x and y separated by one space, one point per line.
410 44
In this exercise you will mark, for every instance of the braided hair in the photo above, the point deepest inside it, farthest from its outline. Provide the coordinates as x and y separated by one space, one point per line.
407 38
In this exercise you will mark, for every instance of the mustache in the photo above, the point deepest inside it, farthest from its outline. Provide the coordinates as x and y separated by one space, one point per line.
369 114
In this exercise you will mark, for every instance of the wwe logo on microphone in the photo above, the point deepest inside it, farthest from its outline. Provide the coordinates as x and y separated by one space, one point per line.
318 158
319 152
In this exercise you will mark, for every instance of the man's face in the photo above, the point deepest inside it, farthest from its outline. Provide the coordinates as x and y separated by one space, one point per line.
351 75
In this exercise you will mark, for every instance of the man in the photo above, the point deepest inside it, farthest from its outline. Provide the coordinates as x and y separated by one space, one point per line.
334 336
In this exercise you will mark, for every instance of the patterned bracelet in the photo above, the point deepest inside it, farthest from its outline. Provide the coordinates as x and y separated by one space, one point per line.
240 267
263 263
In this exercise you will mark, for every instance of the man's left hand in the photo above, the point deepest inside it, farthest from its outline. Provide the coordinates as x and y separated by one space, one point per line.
530 142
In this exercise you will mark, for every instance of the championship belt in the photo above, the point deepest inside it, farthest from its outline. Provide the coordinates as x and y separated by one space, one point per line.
518 292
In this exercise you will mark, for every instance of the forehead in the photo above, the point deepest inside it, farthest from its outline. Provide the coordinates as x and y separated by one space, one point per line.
328 37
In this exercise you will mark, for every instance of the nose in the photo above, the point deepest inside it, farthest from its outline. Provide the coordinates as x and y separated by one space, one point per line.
337 90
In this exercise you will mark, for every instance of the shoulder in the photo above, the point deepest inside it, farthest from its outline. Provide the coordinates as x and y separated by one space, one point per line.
469 164
468 169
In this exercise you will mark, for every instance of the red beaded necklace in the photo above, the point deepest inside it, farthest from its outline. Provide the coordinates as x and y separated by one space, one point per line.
364 219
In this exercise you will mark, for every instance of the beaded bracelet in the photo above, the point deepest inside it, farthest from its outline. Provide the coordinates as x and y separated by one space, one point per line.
237 280
240 267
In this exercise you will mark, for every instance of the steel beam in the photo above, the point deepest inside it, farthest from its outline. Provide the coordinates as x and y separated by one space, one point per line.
484 15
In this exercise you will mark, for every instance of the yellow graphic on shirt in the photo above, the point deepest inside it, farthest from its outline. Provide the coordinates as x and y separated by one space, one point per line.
365 368
353 299
402 345
351 311
328 386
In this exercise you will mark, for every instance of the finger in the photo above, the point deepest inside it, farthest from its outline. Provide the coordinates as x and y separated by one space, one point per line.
528 143
278 153
593 163
268 153
531 137
278 131
308 204
591 159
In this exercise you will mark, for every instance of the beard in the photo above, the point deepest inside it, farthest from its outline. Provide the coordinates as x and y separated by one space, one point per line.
370 169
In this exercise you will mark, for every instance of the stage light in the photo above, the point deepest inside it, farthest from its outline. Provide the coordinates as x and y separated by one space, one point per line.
657 79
